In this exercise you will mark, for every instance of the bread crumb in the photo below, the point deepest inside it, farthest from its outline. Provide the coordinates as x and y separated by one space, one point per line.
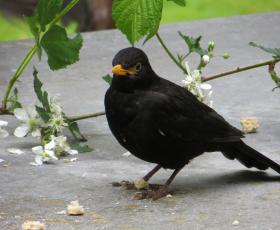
75 209
141 184
249 124
33 225
235 223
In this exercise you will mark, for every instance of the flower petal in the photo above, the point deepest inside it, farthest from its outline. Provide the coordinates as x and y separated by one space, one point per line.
50 145
31 111
36 133
37 149
15 151
21 114
3 123
73 151
205 86
1 160
38 160
3 133
21 131
51 154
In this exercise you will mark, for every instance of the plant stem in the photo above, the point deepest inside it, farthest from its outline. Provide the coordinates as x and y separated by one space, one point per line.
82 117
170 54
240 69
12 81
63 12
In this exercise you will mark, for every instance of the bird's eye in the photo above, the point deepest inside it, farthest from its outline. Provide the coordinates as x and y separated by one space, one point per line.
138 66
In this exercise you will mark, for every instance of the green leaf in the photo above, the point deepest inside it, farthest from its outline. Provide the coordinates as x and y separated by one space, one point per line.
47 10
194 44
108 78
81 148
137 18
13 100
179 2
61 50
41 95
43 113
275 51
75 130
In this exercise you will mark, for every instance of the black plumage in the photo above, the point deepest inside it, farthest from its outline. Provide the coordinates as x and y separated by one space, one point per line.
161 122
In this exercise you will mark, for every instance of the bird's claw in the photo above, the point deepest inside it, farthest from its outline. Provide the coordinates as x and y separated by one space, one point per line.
162 191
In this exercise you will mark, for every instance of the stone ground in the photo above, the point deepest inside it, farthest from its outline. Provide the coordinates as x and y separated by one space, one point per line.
210 193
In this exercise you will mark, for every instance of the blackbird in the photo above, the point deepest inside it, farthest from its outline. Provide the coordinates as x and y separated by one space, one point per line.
163 123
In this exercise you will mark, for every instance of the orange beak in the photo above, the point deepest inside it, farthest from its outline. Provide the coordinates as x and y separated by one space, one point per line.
120 71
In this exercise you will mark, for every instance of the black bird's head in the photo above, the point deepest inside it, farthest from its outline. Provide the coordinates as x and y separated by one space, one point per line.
131 67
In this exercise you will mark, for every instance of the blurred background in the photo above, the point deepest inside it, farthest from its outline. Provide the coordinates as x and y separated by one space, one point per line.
89 15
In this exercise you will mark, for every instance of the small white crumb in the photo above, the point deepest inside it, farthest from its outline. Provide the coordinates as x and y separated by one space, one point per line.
249 124
15 151
33 225
169 196
35 164
235 223
141 184
69 160
75 209
63 212
1 160
126 154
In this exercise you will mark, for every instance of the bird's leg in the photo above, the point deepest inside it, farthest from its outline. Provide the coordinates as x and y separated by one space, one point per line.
160 192
131 185
163 190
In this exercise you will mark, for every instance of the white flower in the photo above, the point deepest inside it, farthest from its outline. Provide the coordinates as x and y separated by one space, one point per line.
205 59
192 82
61 146
30 120
3 133
207 94
57 120
44 154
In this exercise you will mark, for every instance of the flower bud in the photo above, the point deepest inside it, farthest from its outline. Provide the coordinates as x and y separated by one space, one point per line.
211 46
226 55
205 59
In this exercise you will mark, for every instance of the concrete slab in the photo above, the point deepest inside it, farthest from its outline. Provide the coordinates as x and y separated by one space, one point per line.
210 193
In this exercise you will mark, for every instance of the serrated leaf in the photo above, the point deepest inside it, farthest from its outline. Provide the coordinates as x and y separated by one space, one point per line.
61 50
43 113
47 10
108 78
137 18
41 95
13 101
179 2
275 51
75 130
193 44
81 148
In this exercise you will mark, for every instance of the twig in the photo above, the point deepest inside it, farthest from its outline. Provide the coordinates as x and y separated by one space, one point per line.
240 69
82 117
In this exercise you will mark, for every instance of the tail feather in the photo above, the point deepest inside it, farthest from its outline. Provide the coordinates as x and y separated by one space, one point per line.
248 156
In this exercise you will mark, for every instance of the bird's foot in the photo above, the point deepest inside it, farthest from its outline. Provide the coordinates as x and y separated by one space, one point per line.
125 184
162 191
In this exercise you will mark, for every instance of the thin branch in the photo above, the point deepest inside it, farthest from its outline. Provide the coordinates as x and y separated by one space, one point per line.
82 117
170 54
240 69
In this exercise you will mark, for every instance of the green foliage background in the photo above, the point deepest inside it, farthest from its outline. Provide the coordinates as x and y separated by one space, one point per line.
195 9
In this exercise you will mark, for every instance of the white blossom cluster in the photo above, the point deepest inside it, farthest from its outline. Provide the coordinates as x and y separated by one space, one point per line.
31 123
192 82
